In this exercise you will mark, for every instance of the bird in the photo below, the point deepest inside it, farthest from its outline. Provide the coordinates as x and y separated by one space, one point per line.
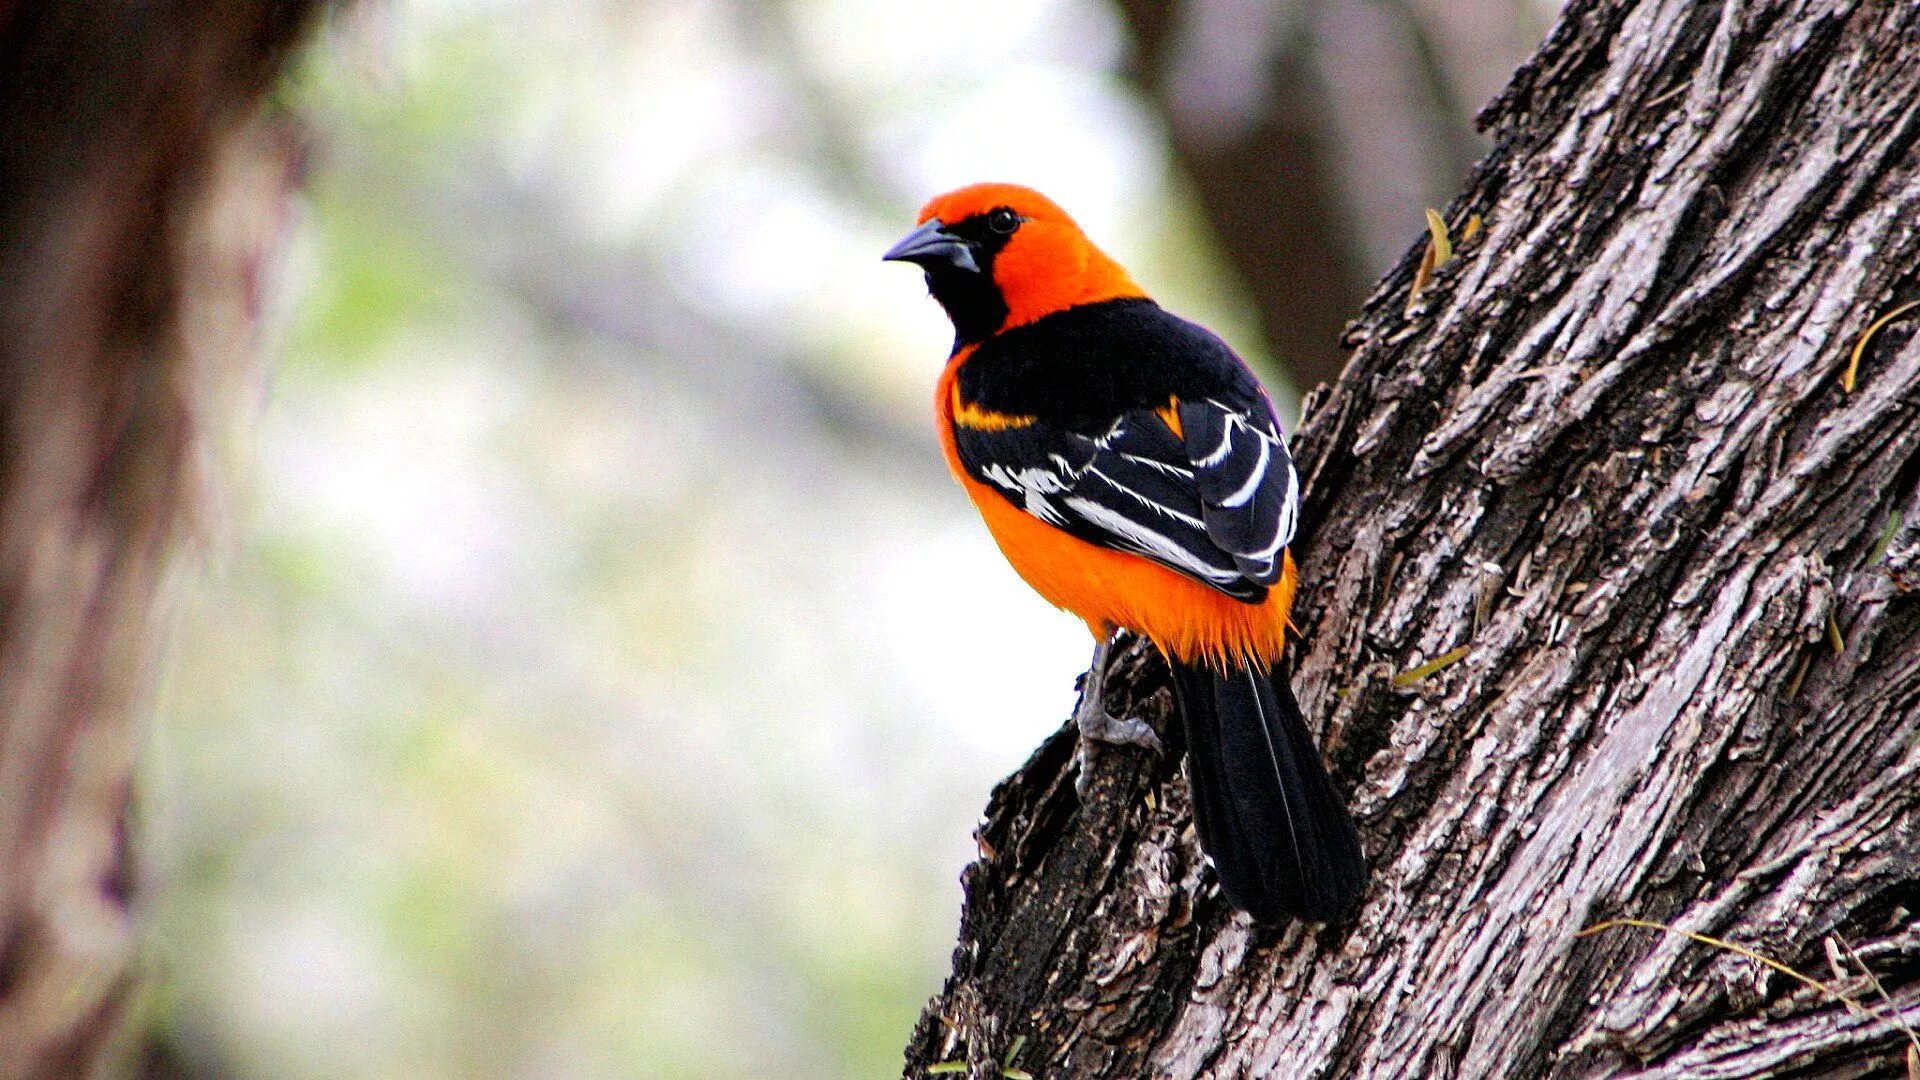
1131 469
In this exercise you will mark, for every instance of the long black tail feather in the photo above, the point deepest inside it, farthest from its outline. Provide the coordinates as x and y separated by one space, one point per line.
1269 817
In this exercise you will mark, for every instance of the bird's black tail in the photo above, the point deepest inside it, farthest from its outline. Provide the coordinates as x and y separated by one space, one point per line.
1269 816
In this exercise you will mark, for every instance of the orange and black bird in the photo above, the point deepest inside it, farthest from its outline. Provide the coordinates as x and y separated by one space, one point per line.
1130 467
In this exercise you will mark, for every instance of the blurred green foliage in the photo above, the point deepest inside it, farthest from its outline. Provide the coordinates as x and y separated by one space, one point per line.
588 683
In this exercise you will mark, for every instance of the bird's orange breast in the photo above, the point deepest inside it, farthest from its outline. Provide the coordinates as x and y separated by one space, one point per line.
1183 617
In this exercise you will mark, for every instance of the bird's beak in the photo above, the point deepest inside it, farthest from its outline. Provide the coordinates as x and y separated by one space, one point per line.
929 244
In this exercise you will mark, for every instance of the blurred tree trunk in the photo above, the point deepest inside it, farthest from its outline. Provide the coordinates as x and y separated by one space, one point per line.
1606 466
1314 132
137 190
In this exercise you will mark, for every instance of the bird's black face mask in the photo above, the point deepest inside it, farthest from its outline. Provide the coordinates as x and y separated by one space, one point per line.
958 260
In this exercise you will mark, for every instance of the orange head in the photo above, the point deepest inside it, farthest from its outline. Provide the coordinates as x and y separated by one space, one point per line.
1000 255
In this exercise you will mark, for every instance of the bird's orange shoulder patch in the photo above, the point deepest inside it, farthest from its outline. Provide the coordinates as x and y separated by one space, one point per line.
968 415
1170 413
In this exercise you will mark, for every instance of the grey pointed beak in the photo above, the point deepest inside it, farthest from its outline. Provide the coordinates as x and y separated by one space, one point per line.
928 244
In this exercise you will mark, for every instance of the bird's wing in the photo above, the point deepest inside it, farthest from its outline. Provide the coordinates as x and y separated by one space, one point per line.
1215 501
1249 491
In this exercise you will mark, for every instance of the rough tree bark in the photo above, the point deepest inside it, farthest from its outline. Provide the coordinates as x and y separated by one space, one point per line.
1609 455
137 190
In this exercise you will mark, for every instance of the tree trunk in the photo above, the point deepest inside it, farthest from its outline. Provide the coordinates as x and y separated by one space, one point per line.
137 190
1313 133
1606 465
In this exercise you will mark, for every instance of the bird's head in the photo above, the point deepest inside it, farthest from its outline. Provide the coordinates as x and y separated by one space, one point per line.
1000 255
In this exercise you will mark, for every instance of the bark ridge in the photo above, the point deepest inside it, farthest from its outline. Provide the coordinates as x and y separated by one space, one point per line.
1606 453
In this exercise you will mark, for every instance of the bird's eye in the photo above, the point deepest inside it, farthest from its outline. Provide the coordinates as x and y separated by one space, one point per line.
1003 221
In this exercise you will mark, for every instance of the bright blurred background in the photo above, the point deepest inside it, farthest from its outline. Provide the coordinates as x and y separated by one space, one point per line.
598 674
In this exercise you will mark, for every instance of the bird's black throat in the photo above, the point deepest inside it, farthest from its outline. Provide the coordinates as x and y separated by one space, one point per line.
972 301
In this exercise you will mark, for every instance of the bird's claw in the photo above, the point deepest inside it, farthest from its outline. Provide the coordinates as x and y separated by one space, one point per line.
1098 726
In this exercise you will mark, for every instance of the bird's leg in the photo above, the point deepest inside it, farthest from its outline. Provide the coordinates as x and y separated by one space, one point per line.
1099 726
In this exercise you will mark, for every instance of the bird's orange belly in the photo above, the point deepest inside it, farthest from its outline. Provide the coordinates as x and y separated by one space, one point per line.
1185 618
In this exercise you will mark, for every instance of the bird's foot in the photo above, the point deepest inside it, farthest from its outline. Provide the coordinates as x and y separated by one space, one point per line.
1098 726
